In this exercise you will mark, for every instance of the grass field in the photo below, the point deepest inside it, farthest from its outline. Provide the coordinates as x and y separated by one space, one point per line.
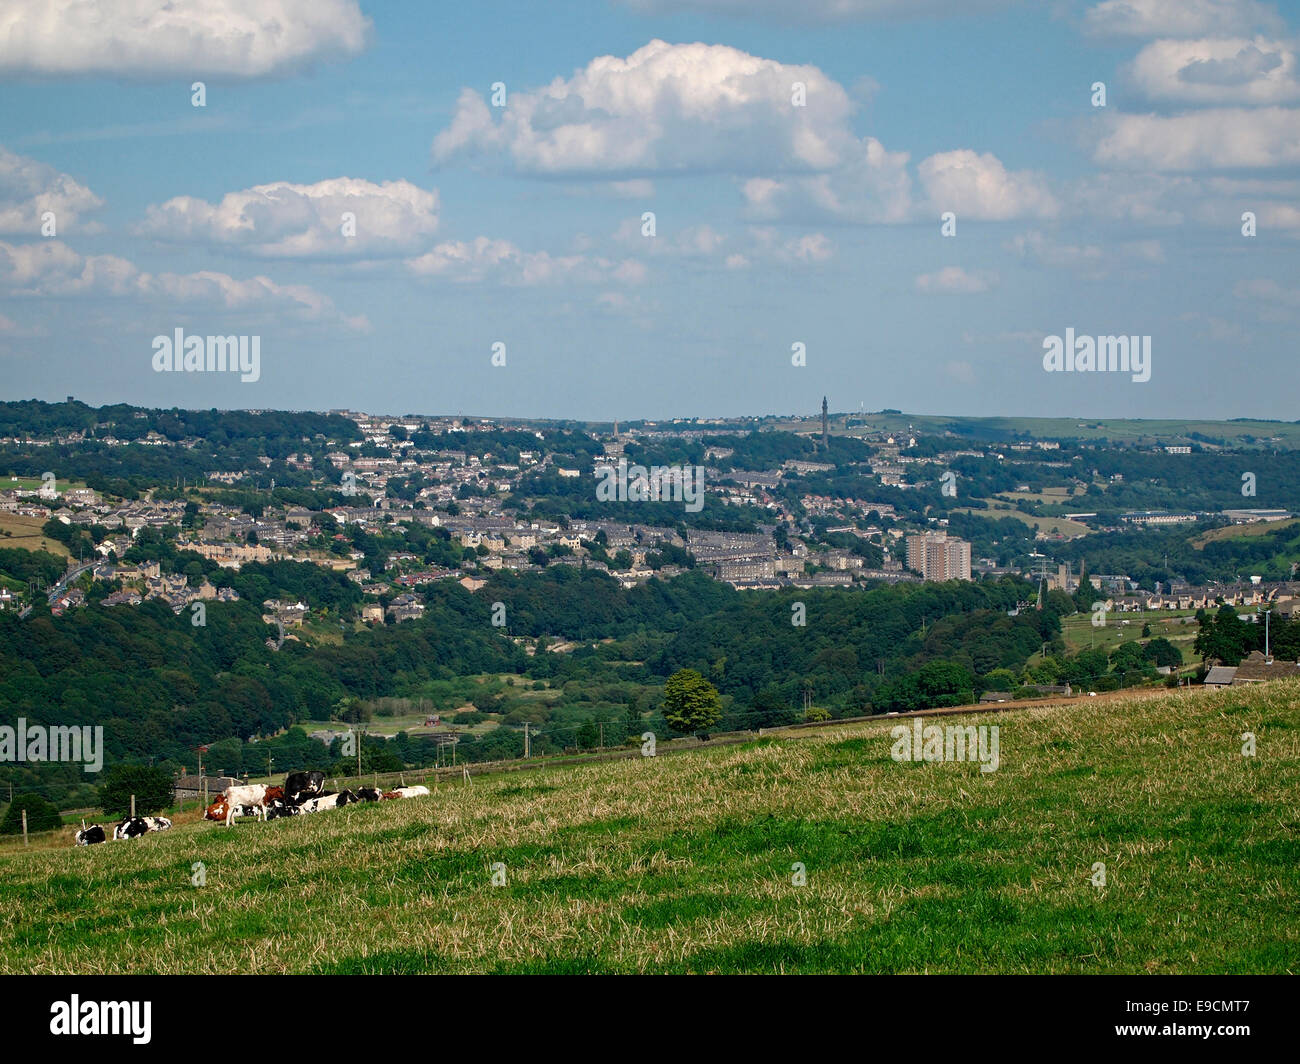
25 532
683 863
1079 633
1256 528
1063 525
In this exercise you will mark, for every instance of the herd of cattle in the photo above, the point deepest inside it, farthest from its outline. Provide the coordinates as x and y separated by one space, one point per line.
303 792
131 827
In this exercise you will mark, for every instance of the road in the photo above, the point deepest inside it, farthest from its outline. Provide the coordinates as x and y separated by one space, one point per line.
59 588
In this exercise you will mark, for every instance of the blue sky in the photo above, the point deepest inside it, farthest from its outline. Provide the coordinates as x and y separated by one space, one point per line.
775 223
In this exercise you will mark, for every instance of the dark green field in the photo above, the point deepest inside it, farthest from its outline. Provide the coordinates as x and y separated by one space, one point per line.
683 863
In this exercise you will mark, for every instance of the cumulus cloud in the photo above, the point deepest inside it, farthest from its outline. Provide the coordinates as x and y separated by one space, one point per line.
820 10
488 259
665 109
1146 198
1180 18
1217 71
51 269
1219 139
157 39
283 220
980 187
735 250
695 108
29 188
875 186
1173 199
953 280
872 185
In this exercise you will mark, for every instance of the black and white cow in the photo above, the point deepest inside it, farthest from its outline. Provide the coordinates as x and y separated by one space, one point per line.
278 808
88 836
134 827
328 801
369 794
299 786
418 791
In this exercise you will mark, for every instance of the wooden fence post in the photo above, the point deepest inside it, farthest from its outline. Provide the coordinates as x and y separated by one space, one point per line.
133 807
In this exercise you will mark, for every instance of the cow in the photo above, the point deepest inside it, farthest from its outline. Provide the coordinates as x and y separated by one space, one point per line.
369 794
88 836
407 792
328 801
217 810
279 808
299 786
133 827
253 794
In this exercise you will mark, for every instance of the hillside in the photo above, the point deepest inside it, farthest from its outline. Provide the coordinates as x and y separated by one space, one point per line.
683 863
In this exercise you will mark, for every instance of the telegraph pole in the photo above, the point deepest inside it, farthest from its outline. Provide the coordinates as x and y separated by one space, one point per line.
527 750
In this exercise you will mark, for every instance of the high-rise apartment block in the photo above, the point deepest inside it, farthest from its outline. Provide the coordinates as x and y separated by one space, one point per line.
937 556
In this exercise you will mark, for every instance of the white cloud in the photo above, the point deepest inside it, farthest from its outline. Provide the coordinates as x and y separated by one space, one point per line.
283 220
1218 71
160 39
1041 249
1216 202
29 188
1180 18
1267 290
487 259
979 187
51 269
1090 261
953 280
820 10
872 186
9 327
737 251
667 108
1150 199
1225 138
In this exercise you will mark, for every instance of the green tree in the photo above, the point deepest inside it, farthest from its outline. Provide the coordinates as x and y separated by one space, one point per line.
691 703
151 786
589 735
41 815
1162 652
1085 594
1000 680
